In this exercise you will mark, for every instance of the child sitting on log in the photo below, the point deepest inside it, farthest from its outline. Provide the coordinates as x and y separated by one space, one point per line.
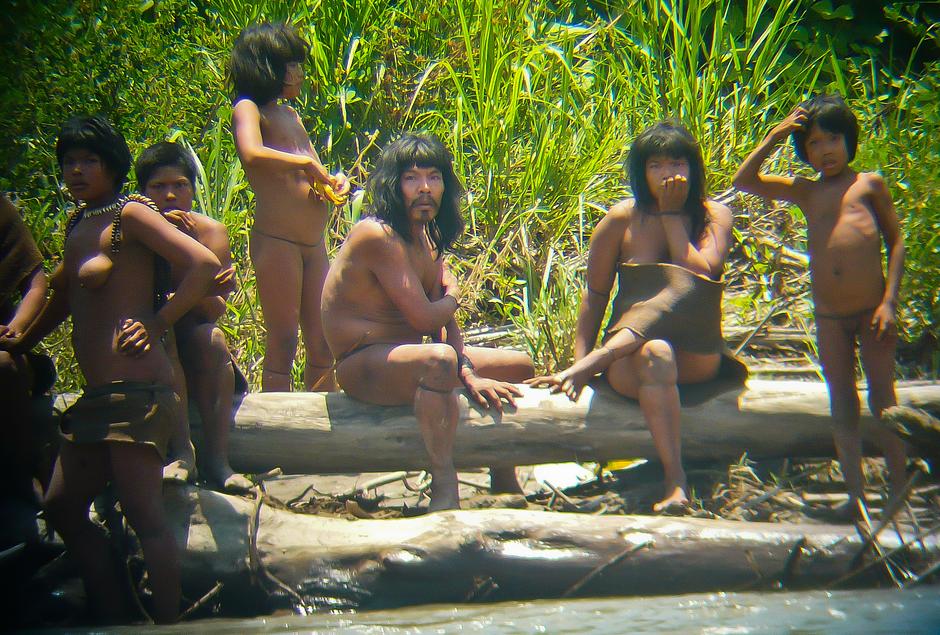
848 214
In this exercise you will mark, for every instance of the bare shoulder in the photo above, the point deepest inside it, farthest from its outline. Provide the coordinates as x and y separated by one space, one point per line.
245 107
140 212
212 233
718 212
618 217
622 211
207 224
873 182
370 233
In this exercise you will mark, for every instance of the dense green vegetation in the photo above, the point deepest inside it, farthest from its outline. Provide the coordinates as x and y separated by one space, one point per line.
537 100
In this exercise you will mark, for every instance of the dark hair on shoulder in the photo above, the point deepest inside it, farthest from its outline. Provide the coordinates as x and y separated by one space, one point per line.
384 188
161 155
671 139
259 60
833 115
96 134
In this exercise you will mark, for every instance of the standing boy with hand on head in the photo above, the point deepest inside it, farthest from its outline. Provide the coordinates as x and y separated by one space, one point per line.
291 186
848 214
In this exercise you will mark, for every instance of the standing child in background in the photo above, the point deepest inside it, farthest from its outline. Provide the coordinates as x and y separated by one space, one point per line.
287 245
848 214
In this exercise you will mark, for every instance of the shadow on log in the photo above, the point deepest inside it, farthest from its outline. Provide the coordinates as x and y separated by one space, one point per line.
494 555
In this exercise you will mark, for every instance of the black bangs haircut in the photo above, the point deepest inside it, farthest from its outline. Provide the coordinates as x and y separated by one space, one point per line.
161 155
384 188
259 60
669 139
833 115
96 134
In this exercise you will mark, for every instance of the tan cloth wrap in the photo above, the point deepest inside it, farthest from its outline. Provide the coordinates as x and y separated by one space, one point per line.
662 301
19 255
666 302
123 411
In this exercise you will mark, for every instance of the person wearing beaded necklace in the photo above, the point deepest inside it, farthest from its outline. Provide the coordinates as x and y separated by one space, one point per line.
117 431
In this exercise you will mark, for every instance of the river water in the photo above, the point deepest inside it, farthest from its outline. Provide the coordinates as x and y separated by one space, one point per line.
866 612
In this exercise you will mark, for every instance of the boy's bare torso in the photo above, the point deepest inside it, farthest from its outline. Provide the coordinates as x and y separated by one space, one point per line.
104 289
286 205
356 309
844 245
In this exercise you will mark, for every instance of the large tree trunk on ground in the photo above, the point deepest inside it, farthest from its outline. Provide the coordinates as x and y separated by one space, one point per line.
500 554
315 433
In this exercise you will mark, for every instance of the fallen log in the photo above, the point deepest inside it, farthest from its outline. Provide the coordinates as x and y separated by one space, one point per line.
318 562
316 433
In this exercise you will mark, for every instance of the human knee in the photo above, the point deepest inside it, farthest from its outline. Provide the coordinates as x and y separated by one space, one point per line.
657 362
214 350
284 344
440 364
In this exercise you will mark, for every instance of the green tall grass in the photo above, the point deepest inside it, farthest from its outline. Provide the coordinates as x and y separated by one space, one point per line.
538 102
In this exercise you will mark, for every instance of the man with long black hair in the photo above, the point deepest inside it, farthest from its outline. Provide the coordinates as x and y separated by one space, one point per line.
388 289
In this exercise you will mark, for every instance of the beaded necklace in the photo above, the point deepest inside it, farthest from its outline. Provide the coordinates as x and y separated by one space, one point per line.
115 210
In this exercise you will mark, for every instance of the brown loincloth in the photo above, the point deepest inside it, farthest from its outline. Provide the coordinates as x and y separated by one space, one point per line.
19 256
123 411
662 301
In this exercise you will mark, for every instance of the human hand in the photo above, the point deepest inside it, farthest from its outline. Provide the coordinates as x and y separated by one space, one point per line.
183 221
675 191
341 185
490 393
884 320
570 382
136 336
10 339
318 174
224 281
793 122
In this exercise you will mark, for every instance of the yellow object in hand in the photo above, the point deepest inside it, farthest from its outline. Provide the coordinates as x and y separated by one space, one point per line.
326 192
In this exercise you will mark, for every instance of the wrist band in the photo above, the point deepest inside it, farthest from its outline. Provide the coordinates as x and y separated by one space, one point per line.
464 362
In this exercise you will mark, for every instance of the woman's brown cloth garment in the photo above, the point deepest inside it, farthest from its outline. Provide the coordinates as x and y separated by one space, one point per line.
662 301
123 411
19 255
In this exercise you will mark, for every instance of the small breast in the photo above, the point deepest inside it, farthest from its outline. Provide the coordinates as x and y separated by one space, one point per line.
94 272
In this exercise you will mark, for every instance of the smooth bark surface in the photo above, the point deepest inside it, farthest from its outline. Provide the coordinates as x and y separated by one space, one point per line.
316 433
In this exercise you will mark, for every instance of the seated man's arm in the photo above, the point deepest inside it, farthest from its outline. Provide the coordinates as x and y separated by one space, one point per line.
385 255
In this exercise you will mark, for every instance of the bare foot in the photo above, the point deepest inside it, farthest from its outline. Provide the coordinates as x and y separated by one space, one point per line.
222 478
444 491
676 499
503 481
180 471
